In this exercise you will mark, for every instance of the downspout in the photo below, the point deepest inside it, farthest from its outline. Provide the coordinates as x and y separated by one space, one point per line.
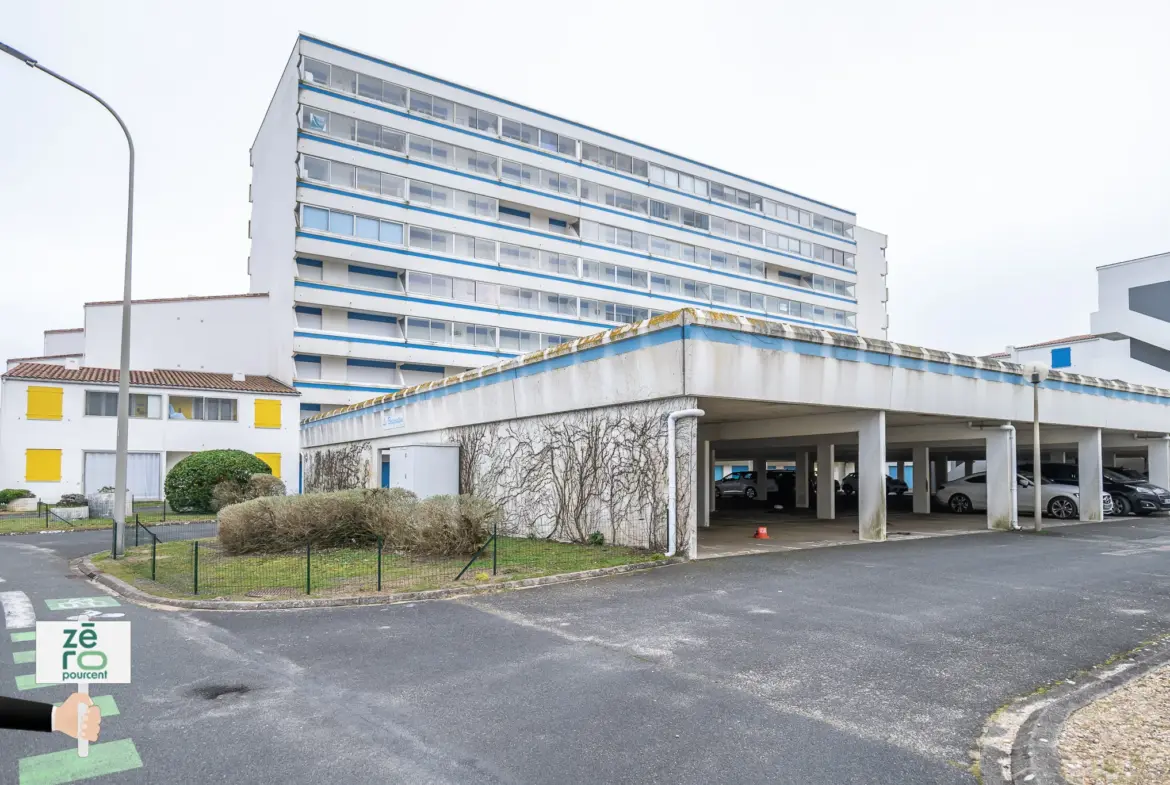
672 480
1014 523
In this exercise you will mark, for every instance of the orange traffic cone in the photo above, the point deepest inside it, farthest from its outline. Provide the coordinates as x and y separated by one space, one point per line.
761 533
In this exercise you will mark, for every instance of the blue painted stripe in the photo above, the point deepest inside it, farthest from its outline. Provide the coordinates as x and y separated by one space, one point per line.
402 158
654 295
645 340
557 236
623 214
309 262
517 213
353 268
370 363
307 310
448 303
307 358
423 368
423 346
372 317
354 387
569 122
310 407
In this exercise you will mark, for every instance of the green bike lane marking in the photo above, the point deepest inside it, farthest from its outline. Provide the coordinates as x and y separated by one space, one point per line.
24 657
81 603
57 768
21 637
28 681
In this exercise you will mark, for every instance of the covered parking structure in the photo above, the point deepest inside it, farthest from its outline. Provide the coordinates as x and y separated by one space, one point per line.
573 440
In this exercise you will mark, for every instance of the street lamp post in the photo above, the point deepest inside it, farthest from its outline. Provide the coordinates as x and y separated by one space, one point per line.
124 368
1037 372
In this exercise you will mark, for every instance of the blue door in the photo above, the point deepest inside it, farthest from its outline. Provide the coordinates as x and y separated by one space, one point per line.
385 474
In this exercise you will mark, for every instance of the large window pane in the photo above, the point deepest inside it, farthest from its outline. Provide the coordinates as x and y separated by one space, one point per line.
367 228
316 72
340 223
369 87
342 79
368 133
392 140
315 218
369 180
389 232
342 175
316 169
315 120
394 94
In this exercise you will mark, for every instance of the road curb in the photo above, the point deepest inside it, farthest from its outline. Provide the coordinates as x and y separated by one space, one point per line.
1035 754
86 568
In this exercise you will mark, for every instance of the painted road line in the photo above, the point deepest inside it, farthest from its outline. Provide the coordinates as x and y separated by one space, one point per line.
57 768
28 681
18 611
76 603
105 703
21 637
24 657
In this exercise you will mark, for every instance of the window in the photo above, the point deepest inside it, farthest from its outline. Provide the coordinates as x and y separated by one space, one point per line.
473 335
683 182
427 330
352 130
181 407
535 177
267 414
105 404
316 72
476 119
432 106
44 403
619 162
617 198
518 255
519 340
353 177
42 466
538 137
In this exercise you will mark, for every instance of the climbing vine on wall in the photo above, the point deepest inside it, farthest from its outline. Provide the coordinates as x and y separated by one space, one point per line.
337 468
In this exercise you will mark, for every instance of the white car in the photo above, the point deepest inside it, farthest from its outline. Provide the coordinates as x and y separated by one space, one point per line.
969 494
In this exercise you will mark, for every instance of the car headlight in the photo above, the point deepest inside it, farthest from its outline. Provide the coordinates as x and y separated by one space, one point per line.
1145 492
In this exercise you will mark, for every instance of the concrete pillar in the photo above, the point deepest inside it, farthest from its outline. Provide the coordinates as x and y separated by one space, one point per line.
871 478
939 475
922 483
761 480
968 467
1002 503
1109 458
1089 468
802 478
826 498
703 472
711 483
1158 462
900 471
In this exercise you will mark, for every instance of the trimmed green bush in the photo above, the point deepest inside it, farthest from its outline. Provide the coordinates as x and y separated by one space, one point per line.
72 500
440 526
12 494
190 484
258 485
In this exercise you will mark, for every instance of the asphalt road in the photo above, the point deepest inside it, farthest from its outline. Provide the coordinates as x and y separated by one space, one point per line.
861 664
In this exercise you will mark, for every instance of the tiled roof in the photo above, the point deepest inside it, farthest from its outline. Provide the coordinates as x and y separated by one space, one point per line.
193 380
43 357
184 299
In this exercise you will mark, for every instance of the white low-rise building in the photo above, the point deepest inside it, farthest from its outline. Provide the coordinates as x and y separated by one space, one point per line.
208 382
58 425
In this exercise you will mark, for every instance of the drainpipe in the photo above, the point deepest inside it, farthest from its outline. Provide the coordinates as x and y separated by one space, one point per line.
672 480
1011 429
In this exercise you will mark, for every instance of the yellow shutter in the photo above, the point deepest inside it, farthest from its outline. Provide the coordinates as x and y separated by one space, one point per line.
273 461
44 403
42 466
267 413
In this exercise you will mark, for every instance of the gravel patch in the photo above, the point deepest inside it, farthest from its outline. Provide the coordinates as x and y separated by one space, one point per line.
1122 738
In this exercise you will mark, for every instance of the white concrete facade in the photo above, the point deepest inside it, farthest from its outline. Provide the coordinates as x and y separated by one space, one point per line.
547 230
76 434
788 393
1130 331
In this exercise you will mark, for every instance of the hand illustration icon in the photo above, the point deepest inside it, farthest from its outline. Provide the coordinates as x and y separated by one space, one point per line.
67 721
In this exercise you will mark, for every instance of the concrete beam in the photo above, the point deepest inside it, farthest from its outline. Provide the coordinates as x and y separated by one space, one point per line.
826 494
871 478
1089 460
939 475
922 481
777 427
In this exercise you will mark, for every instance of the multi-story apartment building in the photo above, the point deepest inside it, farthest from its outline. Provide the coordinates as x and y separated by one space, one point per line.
407 228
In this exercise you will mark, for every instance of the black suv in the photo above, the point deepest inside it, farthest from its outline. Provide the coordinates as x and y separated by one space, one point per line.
1130 496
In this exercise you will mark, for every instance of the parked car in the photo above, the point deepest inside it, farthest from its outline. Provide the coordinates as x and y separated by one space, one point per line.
969 494
1130 496
1132 474
893 485
744 484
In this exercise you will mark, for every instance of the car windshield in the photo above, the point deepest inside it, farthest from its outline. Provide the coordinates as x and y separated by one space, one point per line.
1113 476
1133 474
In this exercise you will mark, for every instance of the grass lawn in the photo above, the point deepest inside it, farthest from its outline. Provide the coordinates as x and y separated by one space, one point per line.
346 571
20 523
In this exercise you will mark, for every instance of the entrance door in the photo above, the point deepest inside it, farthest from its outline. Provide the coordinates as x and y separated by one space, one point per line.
143 473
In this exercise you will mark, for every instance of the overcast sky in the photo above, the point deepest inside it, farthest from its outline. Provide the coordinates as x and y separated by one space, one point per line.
1006 148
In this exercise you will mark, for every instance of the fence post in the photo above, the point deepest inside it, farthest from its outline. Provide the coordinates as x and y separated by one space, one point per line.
379 564
137 526
153 554
196 545
164 520
495 544
309 568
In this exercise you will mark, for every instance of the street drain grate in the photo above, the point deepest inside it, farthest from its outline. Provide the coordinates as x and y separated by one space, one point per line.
217 691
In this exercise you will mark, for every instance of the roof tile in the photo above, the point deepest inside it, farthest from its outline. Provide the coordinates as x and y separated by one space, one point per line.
193 380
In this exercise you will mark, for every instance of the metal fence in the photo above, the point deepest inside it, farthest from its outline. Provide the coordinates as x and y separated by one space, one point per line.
178 565
48 517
